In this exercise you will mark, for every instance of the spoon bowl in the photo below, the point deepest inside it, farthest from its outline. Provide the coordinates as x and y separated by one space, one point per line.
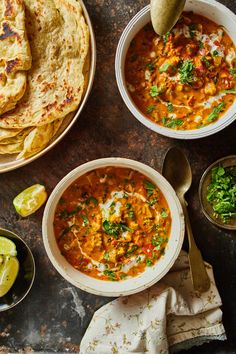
177 170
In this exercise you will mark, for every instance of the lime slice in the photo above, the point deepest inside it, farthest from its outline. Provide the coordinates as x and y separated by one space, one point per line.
8 273
7 247
30 200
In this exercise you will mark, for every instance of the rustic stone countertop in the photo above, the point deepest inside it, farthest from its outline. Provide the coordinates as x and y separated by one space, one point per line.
55 315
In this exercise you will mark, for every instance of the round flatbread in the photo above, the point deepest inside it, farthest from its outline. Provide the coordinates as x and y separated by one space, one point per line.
15 55
59 40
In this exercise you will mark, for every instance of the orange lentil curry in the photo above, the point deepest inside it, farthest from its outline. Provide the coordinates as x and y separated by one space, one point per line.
112 223
185 79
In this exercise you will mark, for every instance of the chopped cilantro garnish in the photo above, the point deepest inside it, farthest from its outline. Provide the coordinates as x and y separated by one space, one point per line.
111 275
201 45
164 213
186 72
232 71
151 67
65 231
206 62
154 91
93 200
131 250
85 220
216 111
170 107
150 109
131 214
148 262
192 28
148 185
152 201
128 206
230 91
215 53
222 192
166 37
113 229
106 256
164 68
172 122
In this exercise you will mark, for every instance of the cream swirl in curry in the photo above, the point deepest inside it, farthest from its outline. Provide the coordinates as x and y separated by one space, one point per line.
112 223
185 79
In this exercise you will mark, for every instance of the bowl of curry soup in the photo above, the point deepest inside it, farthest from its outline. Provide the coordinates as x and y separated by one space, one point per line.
113 227
182 84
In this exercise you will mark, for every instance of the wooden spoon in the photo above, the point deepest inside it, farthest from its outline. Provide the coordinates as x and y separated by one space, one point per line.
165 14
176 169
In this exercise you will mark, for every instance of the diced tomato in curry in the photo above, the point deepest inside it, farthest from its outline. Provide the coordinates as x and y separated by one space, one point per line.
112 223
185 79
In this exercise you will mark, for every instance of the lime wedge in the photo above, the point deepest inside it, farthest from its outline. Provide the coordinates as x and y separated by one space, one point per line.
8 273
7 247
30 200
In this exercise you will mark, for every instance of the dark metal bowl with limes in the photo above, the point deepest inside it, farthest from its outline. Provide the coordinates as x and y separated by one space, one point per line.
25 276
217 192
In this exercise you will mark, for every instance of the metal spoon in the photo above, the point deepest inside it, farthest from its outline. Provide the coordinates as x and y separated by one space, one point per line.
176 169
165 14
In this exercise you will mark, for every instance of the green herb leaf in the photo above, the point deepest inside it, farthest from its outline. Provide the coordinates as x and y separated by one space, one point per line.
216 111
164 213
186 72
170 107
206 62
151 67
152 202
132 250
85 220
149 262
131 214
230 91
106 256
166 37
154 91
232 71
111 275
93 200
215 53
150 109
148 185
164 68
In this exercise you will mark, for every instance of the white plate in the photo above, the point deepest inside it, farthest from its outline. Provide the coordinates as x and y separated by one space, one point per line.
110 288
208 8
8 162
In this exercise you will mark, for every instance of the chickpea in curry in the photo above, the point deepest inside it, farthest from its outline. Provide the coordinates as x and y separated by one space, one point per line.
112 223
185 79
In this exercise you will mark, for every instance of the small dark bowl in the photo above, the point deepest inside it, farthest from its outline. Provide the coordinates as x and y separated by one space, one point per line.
25 277
207 209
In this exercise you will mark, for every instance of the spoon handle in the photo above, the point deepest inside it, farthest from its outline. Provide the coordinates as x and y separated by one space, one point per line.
200 279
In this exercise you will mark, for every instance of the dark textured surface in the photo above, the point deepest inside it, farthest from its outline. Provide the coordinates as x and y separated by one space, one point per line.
55 315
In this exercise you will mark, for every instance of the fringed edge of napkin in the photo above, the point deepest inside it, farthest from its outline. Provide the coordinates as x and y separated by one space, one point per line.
184 341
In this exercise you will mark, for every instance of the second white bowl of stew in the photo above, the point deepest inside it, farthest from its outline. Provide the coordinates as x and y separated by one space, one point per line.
113 227
182 84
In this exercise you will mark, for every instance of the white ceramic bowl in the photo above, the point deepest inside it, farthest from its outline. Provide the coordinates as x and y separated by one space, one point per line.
208 8
109 288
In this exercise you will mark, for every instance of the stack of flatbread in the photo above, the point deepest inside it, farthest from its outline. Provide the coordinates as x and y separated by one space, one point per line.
43 50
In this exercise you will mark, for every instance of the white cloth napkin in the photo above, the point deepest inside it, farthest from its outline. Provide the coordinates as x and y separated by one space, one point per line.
169 316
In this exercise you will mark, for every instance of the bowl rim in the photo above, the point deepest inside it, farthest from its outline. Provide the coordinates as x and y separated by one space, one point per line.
15 164
200 190
67 181
10 233
120 79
